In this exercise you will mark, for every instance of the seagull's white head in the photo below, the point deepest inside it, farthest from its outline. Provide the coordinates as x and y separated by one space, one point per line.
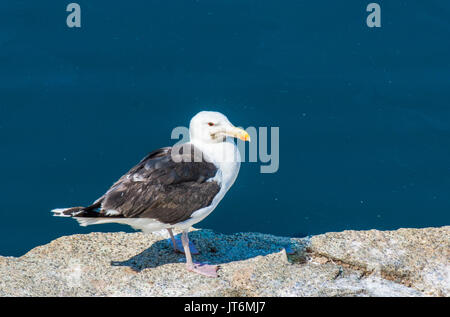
214 127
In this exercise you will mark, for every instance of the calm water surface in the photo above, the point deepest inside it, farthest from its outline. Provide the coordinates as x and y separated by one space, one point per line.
364 114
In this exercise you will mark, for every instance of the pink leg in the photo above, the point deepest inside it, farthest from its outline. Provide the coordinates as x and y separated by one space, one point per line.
178 245
201 268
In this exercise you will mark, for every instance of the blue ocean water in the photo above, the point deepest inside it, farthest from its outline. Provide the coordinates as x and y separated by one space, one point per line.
364 113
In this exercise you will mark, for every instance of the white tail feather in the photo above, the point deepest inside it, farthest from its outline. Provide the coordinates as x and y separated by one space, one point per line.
144 224
87 221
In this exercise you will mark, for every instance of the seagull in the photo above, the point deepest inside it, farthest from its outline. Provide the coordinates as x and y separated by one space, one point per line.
173 187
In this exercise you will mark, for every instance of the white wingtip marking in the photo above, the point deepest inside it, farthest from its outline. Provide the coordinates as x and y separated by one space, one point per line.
112 212
59 212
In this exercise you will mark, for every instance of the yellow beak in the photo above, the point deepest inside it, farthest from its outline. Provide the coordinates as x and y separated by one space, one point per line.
238 133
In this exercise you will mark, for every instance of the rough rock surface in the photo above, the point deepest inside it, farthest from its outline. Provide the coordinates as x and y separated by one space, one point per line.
405 262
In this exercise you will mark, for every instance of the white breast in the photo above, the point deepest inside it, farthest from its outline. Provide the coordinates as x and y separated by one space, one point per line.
226 156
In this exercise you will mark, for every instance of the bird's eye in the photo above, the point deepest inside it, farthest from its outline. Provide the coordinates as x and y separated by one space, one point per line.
210 124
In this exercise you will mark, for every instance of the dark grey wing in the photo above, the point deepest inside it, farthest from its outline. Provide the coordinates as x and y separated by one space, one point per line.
163 187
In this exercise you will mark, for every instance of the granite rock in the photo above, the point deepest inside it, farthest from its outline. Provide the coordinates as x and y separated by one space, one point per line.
405 262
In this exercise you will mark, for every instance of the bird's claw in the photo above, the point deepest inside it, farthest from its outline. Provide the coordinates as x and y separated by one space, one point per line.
203 269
